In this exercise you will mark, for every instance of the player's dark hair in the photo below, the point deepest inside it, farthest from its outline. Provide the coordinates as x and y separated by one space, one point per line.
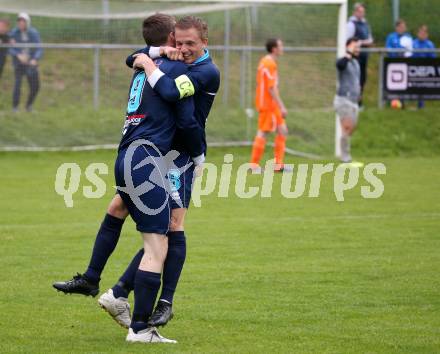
271 43
351 40
156 29
199 24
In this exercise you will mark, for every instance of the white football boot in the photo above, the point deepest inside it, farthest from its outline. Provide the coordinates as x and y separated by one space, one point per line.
149 335
118 308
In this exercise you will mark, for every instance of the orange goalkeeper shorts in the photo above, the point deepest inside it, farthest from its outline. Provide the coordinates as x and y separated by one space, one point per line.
268 121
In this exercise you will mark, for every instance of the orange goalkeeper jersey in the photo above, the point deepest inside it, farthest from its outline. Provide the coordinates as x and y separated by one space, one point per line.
267 77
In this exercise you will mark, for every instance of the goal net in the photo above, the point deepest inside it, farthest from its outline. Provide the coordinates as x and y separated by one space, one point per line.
84 80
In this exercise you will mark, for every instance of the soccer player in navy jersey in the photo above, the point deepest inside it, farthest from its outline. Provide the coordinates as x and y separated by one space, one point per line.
140 171
149 120
203 79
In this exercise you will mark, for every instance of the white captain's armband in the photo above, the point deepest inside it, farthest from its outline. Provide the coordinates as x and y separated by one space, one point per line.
184 86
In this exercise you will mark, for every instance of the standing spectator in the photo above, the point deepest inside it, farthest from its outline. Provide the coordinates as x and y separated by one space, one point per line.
358 27
25 60
4 39
400 39
422 42
347 95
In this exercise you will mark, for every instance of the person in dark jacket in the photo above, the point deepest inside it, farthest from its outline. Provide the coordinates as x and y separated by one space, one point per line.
25 60
357 26
4 39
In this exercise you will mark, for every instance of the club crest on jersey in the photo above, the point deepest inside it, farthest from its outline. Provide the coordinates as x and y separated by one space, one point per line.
174 178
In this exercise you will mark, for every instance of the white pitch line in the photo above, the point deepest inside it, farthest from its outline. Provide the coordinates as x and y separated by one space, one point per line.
286 218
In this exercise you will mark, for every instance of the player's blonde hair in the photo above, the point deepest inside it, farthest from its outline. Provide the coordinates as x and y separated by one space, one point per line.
199 24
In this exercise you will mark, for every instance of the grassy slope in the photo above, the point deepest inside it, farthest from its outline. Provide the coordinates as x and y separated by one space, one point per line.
64 115
302 275
388 133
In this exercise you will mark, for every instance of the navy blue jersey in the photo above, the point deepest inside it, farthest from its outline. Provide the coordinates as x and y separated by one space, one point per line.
152 118
204 77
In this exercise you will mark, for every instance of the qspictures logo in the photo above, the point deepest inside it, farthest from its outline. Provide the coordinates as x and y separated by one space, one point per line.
224 181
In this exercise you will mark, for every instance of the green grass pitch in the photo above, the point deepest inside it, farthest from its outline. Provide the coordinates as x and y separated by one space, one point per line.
268 275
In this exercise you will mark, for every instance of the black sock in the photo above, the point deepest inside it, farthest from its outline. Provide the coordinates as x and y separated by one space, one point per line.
120 290
146 287
173 264
105 243
126 282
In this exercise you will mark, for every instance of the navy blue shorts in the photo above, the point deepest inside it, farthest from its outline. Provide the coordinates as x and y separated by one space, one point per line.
181 182
149 205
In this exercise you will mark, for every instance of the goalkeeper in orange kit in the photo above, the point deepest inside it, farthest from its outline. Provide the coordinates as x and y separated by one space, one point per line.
271 109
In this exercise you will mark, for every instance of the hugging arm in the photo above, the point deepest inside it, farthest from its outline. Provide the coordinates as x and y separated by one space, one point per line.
169 89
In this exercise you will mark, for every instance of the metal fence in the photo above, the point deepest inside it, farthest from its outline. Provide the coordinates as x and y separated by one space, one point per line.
77 79
245 57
